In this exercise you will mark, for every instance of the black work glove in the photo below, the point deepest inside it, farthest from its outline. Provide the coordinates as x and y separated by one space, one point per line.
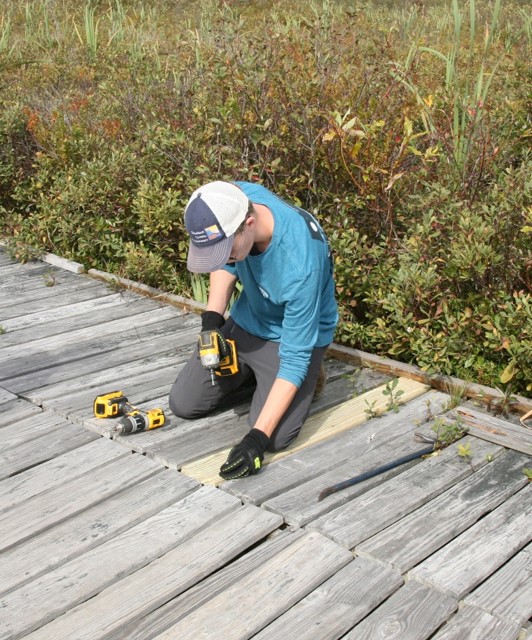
245 458
211 320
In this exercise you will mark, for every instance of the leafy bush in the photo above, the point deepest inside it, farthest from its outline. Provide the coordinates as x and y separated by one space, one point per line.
406 131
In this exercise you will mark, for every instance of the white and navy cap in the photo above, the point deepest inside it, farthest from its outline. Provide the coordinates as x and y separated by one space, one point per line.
212 215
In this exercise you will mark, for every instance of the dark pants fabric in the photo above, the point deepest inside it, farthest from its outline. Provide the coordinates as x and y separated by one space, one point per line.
193 395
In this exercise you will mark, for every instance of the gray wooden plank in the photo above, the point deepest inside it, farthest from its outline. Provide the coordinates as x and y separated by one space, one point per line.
24 274
278 585
93 332
478 552
53 297
55 472
161 338
25 430
82 577
64 437
14 411
280 476
54 313
65 325
412 613
507 593
43 511
494 429
138 594
300 505
365 515
92 527
49 352
6 396
472 624
29 285
416 536
171 612
337 605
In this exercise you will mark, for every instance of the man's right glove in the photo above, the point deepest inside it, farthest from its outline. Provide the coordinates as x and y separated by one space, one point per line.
211 320
245 458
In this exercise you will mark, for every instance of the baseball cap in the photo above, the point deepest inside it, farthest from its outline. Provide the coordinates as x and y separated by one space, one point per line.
212 215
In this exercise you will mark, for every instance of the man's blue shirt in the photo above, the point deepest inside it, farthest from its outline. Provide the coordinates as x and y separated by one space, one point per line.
288 290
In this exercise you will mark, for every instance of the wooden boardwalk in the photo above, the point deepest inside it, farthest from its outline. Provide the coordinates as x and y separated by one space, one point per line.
136 537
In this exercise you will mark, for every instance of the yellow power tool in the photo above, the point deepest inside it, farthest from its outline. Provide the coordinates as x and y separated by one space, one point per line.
115 404
217 354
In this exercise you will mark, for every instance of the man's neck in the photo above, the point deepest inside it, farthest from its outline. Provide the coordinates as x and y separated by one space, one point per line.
264 224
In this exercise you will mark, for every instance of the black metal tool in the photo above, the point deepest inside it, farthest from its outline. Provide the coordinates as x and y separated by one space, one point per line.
378 470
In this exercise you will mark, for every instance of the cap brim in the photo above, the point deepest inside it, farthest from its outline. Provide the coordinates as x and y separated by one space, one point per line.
211 258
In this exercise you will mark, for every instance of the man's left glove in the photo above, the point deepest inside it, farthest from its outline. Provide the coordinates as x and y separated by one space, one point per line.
245 458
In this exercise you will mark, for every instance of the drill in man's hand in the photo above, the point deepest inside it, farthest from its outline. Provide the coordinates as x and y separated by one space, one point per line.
217 354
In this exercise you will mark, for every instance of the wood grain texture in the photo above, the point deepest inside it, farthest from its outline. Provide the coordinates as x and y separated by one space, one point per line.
472 624
61 589
392 500
14 411
43 511
316 429
160 620
173 573
507 593
285 580
478 552
412 613
427 529
494 429
90 528
337 605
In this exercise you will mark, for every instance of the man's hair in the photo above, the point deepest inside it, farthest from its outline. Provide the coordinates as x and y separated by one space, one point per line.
243 223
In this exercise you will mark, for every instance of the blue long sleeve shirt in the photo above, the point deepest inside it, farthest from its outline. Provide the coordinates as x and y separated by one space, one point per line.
288 290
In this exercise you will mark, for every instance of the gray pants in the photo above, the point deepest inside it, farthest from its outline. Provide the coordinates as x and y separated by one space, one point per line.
193 395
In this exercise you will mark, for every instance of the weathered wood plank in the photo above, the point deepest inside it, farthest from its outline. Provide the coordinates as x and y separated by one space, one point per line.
317 460
416 536
412 613
57 297
496 430
25 430
61 589
471 624
53 312
300 505
337 605
28 285
156 339
76 345
6 396
316 429
163 579
45 510
287 578
64 325
170 613
365 515
478 552
15 410
63 263
507 593
60 439
92 527
58 471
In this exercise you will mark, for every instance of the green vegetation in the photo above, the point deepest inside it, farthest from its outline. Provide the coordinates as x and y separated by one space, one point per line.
404 127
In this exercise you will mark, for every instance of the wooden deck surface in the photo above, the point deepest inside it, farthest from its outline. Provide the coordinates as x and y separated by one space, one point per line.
136 537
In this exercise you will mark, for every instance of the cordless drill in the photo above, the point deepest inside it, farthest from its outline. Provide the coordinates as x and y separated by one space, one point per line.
217 354
115 404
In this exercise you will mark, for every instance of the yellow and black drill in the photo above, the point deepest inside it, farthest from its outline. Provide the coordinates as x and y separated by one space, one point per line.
217 354
115 404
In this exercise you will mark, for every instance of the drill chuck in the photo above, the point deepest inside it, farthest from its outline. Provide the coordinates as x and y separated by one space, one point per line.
140 421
